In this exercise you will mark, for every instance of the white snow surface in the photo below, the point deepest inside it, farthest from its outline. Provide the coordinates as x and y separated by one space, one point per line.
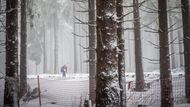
72 90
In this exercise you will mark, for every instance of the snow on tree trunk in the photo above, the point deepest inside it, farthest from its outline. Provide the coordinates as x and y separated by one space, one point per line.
186 34
23 55
107 80
92 52
138 50
121 55
11 80
165 71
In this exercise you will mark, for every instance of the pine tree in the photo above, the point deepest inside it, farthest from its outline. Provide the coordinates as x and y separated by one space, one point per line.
23 50
165 72
121 55
186 41
11 81
107 80
138 50
92 52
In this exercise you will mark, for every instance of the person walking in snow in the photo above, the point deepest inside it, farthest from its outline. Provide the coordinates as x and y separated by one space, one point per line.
64 70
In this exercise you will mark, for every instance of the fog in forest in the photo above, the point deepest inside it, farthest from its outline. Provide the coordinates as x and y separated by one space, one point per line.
72 46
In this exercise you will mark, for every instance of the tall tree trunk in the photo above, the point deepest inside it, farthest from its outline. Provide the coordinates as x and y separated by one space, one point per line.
138 50
165 72
11 81
80 57
0 5
23 50
107 80
92 52
121 55
55 22
186 34
172 50
75 40
44 50
181 56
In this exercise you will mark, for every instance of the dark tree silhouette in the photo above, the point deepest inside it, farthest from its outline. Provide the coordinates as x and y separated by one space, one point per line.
92 52
23 50
165 72
11 80
138 50
186 34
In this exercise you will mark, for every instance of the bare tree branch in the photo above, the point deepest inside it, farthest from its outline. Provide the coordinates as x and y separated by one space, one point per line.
79 35
151 59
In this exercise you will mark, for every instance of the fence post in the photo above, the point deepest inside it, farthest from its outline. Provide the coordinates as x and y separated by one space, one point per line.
39 92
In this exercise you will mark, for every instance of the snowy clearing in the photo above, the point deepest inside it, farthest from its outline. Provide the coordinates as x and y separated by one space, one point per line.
73 90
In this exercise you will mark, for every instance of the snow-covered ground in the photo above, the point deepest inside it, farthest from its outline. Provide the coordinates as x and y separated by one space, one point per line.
64 92
151 97
72 90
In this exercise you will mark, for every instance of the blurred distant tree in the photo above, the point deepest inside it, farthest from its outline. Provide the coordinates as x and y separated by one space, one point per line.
35 53
171 37
11 80
45 18
34 37
56 28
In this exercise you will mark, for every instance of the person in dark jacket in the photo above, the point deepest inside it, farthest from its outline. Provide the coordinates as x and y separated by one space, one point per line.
64 70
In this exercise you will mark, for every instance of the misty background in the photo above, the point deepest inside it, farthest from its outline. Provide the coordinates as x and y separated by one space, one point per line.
57 36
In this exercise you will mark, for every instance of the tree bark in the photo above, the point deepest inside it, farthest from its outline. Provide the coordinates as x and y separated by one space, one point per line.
186 41
165 72
107 80
23 50
121 55
11 81
92 52
138 50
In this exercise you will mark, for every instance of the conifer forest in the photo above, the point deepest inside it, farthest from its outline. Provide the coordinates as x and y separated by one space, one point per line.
94 53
